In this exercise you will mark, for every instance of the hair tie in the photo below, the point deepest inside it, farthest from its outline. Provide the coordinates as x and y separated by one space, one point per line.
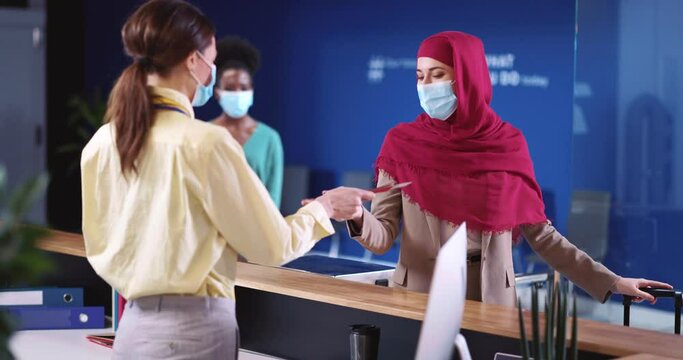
144 61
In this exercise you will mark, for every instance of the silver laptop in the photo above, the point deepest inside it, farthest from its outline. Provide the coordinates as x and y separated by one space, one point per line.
440 332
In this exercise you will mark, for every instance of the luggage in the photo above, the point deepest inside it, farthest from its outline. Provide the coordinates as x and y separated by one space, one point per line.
658 293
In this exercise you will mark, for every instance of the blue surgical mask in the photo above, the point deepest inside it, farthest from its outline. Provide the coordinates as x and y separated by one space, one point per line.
236 103
437 99
203 92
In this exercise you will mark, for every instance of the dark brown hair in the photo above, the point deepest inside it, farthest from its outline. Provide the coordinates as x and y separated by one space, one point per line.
158 35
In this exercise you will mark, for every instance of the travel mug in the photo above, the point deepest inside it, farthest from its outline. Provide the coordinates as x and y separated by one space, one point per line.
364 341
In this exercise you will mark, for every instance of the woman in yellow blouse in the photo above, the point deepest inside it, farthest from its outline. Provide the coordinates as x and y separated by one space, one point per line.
169 201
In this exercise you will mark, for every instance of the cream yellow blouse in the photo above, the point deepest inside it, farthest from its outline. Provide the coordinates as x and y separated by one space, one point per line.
178 225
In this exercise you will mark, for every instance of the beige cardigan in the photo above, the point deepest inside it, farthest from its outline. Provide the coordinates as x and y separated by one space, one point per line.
492 280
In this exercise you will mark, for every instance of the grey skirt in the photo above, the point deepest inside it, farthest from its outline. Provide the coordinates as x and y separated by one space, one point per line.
177 327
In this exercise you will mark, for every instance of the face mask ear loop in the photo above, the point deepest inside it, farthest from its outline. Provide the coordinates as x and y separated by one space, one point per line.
456 96
199 54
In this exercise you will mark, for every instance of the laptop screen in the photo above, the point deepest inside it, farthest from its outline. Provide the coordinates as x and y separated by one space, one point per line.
446 301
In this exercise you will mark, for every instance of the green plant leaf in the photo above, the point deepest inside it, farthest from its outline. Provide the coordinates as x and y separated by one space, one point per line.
84 134
20 261
3 184
552 311
25 194
522 332
81 108
28 267
535 323
101 111
69 148
546 334
85 118
560 346
575 331
7 327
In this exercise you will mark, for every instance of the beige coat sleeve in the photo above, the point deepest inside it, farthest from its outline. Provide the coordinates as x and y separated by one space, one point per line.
572 262
381 224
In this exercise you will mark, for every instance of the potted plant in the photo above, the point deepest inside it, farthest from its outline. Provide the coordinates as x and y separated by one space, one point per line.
553 345
87 115
21 263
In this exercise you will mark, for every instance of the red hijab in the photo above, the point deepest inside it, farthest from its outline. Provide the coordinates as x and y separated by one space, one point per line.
473 167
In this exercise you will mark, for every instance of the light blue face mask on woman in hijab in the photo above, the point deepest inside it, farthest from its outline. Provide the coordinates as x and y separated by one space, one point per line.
437 99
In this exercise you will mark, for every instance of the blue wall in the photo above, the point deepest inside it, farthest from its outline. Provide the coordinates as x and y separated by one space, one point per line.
314 86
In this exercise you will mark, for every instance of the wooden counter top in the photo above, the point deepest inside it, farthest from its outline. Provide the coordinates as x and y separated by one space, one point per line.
63 243
594 336
646 357
380 299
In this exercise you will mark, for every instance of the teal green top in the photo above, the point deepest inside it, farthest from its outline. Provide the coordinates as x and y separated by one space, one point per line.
264 154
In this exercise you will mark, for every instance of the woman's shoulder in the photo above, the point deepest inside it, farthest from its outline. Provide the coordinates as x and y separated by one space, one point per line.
266 134
266 130
202 129
102 137
103 133
207 135
400 129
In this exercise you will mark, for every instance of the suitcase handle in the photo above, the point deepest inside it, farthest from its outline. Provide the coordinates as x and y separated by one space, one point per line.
657 293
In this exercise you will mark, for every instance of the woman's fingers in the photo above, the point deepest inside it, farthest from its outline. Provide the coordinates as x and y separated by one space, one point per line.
654 284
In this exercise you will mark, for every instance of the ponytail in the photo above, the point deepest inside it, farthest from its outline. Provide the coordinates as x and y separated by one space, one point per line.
130 110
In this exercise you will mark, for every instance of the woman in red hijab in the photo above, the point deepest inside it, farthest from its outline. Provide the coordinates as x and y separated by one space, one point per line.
468 165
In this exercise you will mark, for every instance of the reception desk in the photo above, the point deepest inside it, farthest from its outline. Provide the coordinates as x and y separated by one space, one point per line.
294 314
